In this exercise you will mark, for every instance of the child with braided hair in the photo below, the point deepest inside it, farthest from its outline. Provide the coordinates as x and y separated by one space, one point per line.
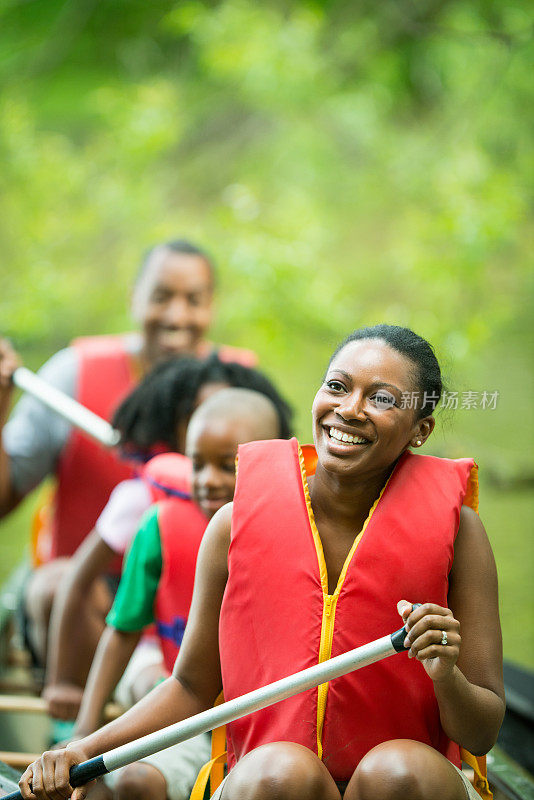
153 418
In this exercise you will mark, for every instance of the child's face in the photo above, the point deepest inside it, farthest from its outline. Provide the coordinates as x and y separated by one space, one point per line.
212 447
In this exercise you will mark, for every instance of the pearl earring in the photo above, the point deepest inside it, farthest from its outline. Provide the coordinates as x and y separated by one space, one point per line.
418 443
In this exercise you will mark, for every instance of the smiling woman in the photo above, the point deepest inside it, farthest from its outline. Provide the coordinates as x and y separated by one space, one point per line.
362 401
319 553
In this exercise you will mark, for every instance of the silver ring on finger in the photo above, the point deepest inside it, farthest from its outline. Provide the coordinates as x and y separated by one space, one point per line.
444 640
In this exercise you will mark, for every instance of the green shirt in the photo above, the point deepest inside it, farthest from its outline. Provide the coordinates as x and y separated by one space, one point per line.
133 608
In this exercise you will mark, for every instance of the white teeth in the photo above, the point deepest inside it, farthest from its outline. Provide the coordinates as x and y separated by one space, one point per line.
346 437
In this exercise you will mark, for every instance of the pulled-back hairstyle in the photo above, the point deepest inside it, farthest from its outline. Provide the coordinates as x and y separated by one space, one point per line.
427 373
150 415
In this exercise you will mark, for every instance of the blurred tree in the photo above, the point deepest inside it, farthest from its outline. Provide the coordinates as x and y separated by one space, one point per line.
347 163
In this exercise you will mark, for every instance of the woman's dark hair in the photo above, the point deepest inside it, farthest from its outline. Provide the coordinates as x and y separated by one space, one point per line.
182 246
150 415
427 374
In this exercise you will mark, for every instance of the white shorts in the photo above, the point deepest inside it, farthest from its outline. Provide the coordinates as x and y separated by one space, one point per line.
179 765
146 654
471 792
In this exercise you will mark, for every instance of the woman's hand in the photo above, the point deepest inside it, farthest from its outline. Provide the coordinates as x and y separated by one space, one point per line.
48 777
428 627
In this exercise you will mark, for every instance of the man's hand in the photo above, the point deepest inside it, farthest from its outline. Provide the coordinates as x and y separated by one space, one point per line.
63 700
9 361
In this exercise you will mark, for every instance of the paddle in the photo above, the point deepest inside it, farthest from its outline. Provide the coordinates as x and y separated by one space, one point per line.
66 407
22 704
234 709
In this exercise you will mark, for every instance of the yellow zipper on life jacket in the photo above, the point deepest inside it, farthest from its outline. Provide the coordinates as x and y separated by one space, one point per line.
329 600
325 651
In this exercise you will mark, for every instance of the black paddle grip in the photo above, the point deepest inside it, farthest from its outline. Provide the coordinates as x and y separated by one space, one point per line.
397 638
79 774
88 771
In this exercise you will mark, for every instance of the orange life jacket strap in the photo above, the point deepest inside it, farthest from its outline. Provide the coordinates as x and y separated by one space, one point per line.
41 528
218 749
213 770
478 765
207 772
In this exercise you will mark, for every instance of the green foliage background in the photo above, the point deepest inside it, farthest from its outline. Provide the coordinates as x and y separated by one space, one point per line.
345 163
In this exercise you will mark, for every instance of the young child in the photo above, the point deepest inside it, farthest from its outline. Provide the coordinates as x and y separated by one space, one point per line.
154 415
157 582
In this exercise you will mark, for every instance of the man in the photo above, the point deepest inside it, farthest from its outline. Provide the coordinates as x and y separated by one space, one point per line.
173 305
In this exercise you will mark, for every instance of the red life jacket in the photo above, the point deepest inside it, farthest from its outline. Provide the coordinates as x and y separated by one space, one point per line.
181 527
87 471
168 475
227 353
277 616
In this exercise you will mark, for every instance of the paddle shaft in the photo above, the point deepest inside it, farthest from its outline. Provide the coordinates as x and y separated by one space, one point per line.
66 407
22 704
234 709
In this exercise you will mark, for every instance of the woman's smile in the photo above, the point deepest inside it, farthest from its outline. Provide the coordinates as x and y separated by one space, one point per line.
358 413
344 437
